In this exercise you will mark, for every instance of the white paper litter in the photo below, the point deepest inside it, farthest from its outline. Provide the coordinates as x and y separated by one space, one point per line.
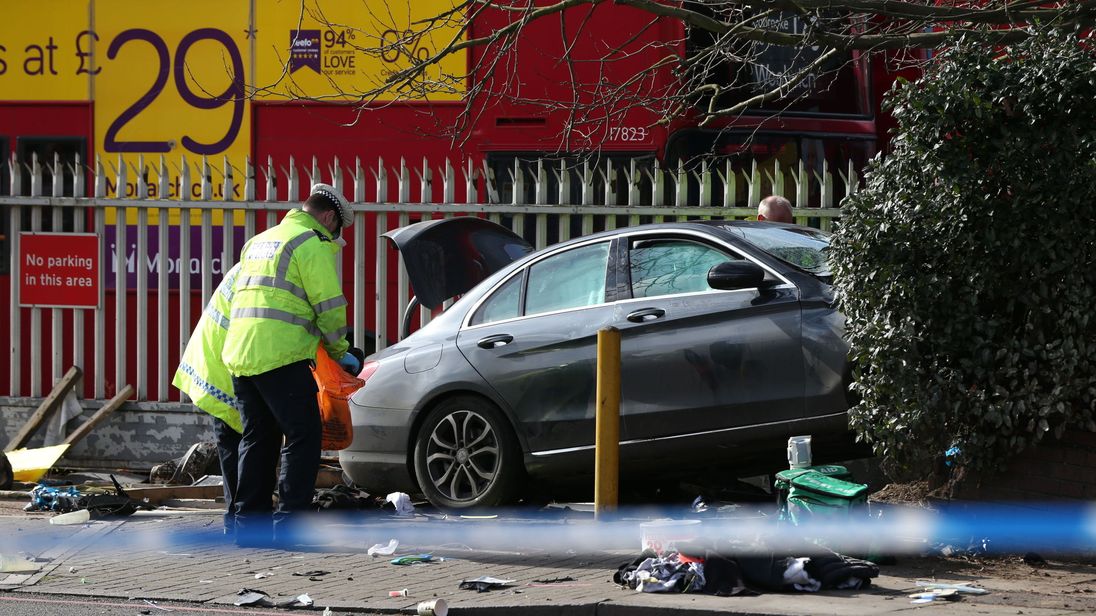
383 549
402 503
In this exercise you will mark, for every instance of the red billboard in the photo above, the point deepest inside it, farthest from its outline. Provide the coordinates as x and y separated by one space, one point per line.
59 270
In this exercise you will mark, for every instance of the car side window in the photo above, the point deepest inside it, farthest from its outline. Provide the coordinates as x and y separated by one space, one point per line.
505 303
671 266
570 279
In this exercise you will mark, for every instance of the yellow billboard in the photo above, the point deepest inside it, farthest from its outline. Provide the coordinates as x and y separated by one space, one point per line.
179 79
346 50
173 83
45 50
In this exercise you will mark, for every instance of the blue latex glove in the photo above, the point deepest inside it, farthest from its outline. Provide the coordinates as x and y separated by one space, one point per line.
351 364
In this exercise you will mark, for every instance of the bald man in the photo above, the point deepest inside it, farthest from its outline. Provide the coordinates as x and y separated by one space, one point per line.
775 209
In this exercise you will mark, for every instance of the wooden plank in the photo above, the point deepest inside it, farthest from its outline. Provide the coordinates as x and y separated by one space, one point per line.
45 410
158 495
100 415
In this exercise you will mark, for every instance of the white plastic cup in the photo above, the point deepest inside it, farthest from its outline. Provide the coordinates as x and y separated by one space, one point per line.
434 607
799 451
73 517
663 535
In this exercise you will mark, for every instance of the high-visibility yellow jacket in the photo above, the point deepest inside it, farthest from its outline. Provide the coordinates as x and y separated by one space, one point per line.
288 298
202 375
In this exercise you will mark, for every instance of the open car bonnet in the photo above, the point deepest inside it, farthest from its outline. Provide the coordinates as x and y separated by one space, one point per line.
448 257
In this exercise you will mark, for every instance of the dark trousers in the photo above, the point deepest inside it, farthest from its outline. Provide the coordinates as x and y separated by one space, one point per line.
281 402
228 451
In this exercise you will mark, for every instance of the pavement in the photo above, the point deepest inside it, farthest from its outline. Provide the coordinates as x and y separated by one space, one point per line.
180 555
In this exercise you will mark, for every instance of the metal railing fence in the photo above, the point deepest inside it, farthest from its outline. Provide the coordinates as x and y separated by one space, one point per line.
137 332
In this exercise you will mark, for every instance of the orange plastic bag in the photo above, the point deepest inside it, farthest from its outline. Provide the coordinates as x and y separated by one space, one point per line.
335 388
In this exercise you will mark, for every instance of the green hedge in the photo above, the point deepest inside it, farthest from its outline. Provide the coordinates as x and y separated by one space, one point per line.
966 265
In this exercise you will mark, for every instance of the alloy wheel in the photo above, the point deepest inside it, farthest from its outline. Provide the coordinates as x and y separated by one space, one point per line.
462 455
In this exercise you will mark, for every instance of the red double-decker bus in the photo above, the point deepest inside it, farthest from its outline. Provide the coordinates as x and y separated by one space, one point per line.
279 82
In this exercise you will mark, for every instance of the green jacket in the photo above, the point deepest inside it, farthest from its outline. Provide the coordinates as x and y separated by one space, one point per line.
288 298
202 376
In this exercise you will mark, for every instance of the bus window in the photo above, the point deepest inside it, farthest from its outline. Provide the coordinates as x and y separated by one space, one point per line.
840 87
742 147
502 166
46 148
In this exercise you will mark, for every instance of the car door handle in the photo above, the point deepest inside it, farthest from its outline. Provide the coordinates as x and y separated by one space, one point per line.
646 314
495 341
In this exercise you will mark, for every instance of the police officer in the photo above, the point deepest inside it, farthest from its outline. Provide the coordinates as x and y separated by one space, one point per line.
203 377
288 298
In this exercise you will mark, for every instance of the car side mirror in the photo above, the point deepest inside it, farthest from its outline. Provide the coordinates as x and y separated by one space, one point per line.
731 275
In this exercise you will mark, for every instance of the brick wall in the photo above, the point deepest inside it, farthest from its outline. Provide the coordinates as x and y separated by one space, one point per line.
1056 469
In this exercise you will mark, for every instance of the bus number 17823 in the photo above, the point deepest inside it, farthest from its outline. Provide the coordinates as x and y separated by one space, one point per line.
628 133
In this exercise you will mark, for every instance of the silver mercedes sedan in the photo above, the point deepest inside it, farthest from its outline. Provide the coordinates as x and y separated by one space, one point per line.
731 341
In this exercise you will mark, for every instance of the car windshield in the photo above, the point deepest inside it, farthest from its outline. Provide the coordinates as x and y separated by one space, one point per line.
802 247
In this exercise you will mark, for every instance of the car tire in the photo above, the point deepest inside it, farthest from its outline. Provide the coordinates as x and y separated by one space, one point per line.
466 455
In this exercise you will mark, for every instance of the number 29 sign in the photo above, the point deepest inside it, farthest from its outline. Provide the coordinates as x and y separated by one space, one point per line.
177 66
176 87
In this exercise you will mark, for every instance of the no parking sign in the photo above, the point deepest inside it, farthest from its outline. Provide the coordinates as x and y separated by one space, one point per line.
59 270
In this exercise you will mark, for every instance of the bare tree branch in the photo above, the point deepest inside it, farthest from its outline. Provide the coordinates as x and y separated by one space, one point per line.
728 65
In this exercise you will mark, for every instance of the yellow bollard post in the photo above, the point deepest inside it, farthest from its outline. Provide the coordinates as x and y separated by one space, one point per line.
607 440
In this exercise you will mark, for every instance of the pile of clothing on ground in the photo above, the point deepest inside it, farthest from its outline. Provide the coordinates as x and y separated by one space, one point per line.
731 568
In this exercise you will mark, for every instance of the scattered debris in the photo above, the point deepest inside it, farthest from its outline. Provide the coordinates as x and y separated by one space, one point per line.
153 604
434 607
412 559
344 497
250 596
200 460
48 407
160 494
932 595
732 569
384 549
263 574
962 587
939 590
555 580
662 535
484 583
974 547
402 502
30 464
99 503
46 498
397 593
298 601
82 516
311 574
